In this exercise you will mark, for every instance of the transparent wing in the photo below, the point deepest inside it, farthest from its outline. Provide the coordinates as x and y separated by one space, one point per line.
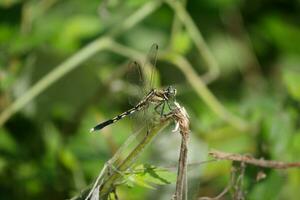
136 83
142 120
149 68
141 80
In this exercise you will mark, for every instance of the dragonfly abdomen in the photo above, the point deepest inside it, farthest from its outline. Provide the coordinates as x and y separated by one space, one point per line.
117 118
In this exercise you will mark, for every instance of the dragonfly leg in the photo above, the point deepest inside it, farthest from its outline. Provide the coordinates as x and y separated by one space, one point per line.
162 109
167 100
168 103
156 108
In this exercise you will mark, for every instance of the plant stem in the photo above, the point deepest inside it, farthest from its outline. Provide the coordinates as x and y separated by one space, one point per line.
196 35
203 92
176 26
136 17
53 76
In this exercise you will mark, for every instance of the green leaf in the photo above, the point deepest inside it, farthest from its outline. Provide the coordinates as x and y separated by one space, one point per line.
146 175
27 173
267 188
7 143
278 30
3 164
156 175
68 159
291 76
291 188
294 146
139 181
181 43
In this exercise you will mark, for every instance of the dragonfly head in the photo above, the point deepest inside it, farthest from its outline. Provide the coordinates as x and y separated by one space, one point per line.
170 92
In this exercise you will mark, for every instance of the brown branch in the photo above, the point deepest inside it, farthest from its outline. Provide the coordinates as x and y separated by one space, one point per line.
253 161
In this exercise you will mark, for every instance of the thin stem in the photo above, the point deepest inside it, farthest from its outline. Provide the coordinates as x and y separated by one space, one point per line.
202 90
176 25
96 184
196 35
126 51
136 17
53 76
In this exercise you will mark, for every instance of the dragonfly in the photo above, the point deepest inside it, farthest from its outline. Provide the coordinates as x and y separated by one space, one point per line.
157 97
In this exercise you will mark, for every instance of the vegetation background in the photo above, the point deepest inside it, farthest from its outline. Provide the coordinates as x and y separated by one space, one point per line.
234 63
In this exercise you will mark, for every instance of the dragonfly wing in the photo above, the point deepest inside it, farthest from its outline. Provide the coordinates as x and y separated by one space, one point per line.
149 68
142 121
145 77
142 78
136 83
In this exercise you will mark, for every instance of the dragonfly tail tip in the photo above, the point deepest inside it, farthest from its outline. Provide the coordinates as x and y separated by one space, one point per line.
92 130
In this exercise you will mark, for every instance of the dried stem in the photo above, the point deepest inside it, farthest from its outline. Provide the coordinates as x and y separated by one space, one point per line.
253 161
182 171
181 117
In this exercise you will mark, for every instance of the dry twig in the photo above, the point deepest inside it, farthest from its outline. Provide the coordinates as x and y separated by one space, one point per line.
253 161
237 173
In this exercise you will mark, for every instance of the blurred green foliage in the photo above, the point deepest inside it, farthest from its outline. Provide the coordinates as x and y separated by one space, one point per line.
46 151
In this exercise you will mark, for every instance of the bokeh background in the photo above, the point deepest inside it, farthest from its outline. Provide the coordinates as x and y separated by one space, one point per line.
238 78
